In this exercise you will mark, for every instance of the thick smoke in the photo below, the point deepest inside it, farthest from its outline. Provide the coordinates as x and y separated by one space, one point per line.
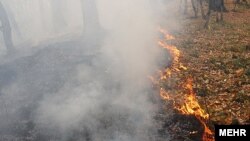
37 21
82 88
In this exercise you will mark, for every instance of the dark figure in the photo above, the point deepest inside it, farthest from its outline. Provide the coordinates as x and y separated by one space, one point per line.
218 7
6 29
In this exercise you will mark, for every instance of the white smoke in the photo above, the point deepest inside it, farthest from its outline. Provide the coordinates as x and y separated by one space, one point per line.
84 90
35 21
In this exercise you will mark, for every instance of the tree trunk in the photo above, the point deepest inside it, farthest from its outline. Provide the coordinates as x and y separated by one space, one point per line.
58 13
91 22
6 29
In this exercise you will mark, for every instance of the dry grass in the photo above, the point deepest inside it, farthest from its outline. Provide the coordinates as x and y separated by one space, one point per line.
219 61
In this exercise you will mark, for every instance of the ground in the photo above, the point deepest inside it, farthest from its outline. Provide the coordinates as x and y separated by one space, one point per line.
218 60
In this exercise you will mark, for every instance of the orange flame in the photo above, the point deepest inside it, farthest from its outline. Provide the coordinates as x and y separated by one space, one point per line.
165 33
190 105
164 95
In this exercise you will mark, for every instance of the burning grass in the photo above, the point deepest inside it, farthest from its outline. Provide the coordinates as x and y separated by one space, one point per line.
184 101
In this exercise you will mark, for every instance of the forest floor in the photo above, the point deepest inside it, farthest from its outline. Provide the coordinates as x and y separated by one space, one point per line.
218 60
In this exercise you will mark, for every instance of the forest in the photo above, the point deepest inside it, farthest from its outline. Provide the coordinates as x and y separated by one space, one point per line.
133 70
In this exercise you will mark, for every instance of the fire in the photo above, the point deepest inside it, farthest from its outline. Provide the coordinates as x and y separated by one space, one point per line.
189 104
165 33
164 95
192 107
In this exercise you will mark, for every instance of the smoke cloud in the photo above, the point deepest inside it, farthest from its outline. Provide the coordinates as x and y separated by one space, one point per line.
76 87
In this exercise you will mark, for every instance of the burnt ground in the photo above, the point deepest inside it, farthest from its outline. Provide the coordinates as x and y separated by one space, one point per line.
38 74
218 59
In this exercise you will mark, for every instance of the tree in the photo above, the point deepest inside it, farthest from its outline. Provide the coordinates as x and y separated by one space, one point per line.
58 14
6 29
90 17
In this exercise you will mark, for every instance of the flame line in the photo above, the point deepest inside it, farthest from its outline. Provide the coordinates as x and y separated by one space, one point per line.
191 105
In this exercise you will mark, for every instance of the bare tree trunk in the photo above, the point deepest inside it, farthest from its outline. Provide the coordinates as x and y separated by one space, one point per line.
201 8
223 6
6 29
13 21
91 22
58 9
183 6
195 8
